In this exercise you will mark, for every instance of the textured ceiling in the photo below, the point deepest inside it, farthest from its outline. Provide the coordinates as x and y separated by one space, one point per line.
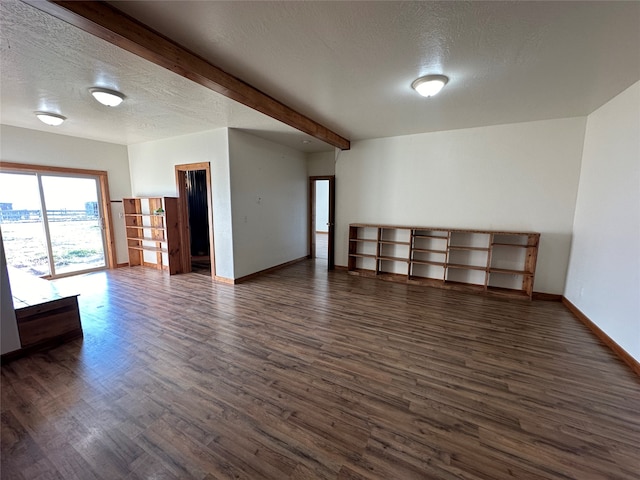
50 65
347 65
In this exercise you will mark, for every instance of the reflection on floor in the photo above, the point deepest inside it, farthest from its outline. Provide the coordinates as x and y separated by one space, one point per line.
201 265
322 245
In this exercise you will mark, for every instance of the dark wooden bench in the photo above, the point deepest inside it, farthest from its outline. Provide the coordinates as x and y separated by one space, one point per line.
45 317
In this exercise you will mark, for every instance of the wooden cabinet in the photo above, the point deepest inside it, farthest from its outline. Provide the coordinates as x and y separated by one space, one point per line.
153 232
493 262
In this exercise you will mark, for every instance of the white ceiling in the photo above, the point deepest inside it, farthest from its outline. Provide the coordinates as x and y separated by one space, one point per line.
347 65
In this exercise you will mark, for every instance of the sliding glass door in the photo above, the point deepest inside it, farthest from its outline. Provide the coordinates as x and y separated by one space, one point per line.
21 220
52 224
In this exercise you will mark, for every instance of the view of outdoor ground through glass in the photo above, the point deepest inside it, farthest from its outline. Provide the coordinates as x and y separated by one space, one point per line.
73 220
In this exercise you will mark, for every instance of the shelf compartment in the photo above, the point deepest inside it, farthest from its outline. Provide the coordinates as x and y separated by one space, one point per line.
474 259
508 280
516 239
508 259
433 270
469 240
393 265
466 274
396 236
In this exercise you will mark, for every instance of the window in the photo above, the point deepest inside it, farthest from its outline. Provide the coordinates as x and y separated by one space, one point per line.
53 222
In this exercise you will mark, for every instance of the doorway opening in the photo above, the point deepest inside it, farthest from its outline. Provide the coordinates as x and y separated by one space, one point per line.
321 219
194 192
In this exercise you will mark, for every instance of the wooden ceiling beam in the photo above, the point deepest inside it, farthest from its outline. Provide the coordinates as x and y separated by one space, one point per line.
106 22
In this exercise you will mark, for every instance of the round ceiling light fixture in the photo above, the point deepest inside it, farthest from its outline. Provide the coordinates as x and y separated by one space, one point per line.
110 98
52 119
429 85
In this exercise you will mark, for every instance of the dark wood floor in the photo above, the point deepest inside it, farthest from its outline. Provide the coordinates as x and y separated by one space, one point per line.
301 374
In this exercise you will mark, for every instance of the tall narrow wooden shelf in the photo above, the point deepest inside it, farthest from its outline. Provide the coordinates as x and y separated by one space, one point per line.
486 261
153 232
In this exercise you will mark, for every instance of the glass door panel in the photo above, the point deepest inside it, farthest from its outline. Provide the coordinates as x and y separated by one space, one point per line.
75 223
22 223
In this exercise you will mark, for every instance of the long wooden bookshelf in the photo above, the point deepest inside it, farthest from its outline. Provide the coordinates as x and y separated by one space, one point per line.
484 261
153 232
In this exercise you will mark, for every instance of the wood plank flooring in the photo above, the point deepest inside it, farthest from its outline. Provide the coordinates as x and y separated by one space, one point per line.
304 374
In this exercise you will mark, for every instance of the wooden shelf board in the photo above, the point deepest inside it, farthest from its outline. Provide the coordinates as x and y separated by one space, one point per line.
466 267
393 242
426 250
508 271
363 255
426 281
430 236
474 287
393 259
427 262
362 272
148 249
147 239
463 247
142 227
507 292
363 240
510 245
392 277
143 215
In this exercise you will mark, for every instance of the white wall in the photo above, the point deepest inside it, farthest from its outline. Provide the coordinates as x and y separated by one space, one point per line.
322 205
321 164
604 272
21 145
521 177
153 174
9 337
269 203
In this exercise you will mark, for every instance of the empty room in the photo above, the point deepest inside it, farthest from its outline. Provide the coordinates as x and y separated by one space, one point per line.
348 240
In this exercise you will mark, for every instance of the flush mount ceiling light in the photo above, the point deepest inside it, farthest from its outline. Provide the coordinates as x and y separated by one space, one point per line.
52 119
429 85
110 98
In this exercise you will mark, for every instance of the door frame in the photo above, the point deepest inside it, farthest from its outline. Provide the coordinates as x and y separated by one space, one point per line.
183 212
332 218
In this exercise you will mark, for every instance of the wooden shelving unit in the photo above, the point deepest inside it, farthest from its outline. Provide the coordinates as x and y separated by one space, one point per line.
484 261
153 232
